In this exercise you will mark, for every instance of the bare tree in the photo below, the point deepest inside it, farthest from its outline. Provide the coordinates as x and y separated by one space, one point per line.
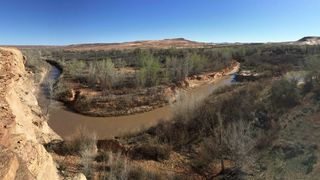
228 142
240 143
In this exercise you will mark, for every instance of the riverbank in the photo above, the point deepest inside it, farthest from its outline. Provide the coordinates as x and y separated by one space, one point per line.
128 101
66 122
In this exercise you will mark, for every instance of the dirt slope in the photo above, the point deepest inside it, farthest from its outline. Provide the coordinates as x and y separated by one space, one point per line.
23 128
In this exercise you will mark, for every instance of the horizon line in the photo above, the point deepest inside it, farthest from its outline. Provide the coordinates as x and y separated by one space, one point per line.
142 40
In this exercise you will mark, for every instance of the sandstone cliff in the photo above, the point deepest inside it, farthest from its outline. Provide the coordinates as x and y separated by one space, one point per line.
23 128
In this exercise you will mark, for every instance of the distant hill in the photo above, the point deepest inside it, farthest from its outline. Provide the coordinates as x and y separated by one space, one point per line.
309 40
166 43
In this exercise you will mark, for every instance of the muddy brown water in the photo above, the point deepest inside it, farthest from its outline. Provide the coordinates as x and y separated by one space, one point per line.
66 123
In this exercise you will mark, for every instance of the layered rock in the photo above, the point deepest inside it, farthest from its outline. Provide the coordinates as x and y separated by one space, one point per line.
23 128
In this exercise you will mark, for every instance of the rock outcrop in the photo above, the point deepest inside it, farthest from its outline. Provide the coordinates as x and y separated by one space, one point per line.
23 128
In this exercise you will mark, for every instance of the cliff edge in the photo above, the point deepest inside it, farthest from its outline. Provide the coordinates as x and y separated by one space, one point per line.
23 128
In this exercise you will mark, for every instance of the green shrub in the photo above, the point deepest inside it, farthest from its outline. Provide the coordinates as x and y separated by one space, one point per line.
309 162
76 68
33 59
176 69
106 73
149 72
312 80
197 64
284 94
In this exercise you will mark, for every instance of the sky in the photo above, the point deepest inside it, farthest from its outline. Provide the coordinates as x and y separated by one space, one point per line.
61 22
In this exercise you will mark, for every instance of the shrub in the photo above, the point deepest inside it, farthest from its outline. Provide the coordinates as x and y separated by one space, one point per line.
33 58
313 64
151 152
106 73
149 72
87 156
309 162
176 69
284 94
138 173
83 103
118 167
81 141
120 63
83 144
102 156
228 143
312 80
76 68
197 64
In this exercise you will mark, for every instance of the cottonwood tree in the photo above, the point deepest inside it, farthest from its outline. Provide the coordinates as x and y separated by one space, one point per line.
197 63
107 74
76 68
177 69
103 73
148 74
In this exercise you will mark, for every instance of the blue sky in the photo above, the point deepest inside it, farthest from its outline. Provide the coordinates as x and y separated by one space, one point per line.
58 22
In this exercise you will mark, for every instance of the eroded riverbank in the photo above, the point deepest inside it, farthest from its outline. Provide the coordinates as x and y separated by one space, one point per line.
66 123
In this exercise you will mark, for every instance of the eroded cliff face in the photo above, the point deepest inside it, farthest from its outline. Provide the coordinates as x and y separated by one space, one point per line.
23 128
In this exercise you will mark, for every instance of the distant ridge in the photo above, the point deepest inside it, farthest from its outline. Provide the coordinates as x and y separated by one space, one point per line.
165 43
309 40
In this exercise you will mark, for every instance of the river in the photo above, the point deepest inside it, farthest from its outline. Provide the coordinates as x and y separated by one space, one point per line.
65 122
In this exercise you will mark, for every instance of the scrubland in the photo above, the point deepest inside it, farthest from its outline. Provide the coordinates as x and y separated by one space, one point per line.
265 126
